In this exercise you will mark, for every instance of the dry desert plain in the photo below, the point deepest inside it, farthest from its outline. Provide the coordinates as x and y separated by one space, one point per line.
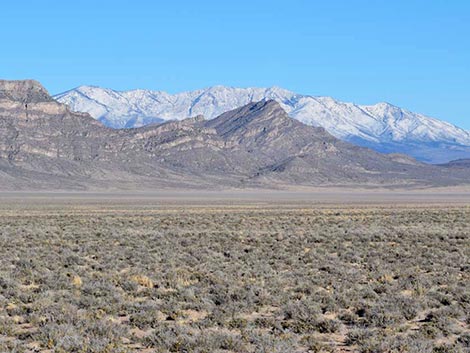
252 271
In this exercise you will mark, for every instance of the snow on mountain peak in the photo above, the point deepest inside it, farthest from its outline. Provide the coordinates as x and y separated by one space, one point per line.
382 126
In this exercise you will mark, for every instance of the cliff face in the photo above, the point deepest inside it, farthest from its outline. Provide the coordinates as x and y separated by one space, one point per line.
383 127
32 125
45 145
25 91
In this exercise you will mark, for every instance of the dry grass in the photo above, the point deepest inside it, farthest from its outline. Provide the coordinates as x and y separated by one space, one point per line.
234 279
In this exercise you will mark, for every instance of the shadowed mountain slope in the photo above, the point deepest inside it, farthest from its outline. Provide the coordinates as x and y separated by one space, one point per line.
44 145
382 127
459 163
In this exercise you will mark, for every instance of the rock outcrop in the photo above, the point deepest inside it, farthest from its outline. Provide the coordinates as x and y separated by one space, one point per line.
44 145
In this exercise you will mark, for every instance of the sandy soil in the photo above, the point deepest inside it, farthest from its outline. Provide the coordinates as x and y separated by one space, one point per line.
313 197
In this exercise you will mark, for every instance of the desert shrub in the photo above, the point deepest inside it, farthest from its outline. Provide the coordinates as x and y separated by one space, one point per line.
123 278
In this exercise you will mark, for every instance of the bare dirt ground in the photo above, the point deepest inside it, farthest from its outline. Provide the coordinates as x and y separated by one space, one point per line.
303 271
312 196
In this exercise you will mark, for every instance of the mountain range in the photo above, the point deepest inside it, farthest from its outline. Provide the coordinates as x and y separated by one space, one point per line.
46 145
382 127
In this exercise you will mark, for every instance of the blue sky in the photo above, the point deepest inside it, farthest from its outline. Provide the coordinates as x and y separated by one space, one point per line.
414 54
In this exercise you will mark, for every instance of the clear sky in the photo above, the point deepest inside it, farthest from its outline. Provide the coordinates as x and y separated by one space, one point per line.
412 53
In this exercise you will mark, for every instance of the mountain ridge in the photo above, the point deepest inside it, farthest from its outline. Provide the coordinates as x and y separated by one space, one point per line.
383 127
45 145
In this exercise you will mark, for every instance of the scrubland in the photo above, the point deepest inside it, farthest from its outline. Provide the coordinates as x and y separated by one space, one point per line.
234 278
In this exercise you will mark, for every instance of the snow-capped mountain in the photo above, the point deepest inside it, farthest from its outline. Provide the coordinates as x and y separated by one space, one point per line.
383 127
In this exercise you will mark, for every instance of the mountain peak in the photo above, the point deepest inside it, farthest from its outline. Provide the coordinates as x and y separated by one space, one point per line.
276 90
383 127
384 107
266 112
265 104
255 145
25 91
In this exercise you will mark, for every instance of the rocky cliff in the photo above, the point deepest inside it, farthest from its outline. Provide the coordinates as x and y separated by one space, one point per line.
44 145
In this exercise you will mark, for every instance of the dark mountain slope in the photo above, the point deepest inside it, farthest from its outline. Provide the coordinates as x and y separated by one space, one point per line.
45 145
459 163
288 150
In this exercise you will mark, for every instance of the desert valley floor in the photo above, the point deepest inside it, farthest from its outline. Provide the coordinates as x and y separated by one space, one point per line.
323 271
